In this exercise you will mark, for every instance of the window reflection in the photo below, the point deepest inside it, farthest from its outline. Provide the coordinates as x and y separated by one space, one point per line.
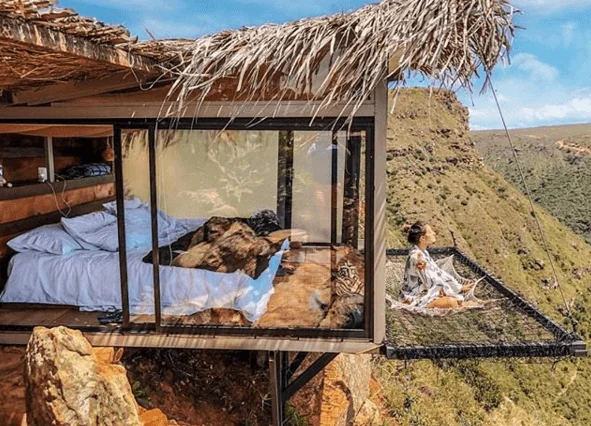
257 228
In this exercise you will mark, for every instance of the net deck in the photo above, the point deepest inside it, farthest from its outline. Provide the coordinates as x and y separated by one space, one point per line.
507 326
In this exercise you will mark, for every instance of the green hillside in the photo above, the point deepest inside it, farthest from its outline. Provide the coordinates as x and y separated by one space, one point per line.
557 168
436 174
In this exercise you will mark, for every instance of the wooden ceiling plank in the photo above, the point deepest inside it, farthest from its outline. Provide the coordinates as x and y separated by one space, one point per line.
79 89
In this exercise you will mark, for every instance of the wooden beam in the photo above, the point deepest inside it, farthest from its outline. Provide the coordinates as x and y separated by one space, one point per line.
35 189
56 41
23 208
158 109
379 204
154 95
79 89
179 341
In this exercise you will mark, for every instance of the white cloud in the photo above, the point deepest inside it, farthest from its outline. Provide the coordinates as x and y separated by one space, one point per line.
537 69
530 104
477 127
575 109
503 99
568 33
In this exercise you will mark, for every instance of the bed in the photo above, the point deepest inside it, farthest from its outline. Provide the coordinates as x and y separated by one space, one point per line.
88 277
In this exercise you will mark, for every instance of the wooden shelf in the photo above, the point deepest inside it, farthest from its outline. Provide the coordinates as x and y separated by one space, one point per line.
30 190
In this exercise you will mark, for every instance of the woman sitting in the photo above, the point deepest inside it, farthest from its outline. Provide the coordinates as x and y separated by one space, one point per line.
428 284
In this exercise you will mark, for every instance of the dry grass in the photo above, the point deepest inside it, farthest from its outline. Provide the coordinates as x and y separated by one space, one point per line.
44 14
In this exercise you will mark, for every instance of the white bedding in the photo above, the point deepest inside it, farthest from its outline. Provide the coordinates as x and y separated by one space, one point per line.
90 280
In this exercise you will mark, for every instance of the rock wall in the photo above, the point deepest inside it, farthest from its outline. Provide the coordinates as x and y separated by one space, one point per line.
341 394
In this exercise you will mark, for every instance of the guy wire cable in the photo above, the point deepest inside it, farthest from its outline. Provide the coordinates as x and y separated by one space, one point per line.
531 203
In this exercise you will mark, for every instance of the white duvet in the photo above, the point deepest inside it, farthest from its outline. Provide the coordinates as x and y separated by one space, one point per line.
90 280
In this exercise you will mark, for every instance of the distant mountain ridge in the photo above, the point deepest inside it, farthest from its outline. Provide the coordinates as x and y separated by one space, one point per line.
557 167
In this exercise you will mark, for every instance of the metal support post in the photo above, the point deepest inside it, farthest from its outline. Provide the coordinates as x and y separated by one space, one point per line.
280 374
276 376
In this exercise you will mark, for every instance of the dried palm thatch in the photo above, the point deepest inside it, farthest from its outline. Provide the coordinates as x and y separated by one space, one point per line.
41 45
45 13
449 40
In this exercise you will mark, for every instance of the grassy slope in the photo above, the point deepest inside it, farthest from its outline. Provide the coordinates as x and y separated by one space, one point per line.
559 178
436 174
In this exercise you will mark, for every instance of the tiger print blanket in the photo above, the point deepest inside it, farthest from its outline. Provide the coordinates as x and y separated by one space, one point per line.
225 245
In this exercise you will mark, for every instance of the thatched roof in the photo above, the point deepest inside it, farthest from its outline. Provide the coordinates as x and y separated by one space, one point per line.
44 13
449 40
41 45
332 59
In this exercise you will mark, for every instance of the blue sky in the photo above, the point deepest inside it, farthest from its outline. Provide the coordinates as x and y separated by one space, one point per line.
548 81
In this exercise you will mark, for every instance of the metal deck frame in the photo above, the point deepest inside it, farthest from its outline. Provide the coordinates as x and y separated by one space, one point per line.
565 344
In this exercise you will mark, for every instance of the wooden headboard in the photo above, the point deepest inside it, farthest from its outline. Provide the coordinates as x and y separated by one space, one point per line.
28 207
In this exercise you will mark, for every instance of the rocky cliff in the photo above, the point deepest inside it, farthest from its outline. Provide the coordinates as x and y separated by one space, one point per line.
436 174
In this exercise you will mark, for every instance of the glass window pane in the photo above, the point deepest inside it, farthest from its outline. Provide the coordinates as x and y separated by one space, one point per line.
205 173
263 230
314 153
138 224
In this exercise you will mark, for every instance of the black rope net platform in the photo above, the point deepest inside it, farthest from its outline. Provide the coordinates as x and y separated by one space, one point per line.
506 326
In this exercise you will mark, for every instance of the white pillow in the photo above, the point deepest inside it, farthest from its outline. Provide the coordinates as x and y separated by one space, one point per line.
51 239
129 203
93 231
99 230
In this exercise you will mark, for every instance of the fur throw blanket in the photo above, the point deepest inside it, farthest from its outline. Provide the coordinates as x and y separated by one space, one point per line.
226 245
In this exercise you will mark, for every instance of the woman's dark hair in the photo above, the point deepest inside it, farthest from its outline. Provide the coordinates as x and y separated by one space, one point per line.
416 231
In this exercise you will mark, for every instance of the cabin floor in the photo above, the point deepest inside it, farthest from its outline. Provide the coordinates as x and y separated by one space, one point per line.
22 315
45 315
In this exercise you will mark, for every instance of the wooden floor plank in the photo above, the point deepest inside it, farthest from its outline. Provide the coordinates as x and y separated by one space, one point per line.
51 316
75 318
30 317
142 319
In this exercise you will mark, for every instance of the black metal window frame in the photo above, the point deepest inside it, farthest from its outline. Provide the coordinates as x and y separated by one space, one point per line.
332 124
252 124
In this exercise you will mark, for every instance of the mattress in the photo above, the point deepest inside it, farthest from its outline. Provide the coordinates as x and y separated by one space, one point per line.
90 280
